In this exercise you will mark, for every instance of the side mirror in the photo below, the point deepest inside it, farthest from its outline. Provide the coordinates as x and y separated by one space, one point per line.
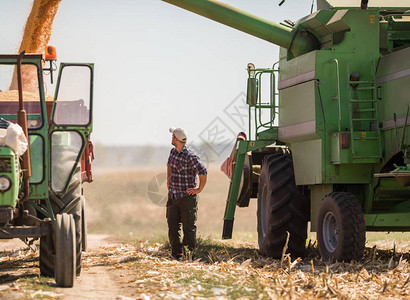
252 91
252 88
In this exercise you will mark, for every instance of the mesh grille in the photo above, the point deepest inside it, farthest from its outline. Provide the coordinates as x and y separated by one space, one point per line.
5 164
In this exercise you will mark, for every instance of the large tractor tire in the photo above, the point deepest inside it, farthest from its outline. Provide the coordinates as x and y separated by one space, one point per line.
65 262
282 209
72 202
47 255
69 202
341 232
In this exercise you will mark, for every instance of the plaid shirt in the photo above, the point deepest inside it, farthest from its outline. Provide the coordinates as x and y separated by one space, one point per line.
185 165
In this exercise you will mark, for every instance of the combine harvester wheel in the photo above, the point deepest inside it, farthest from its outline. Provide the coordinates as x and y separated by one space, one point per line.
341 233
281 208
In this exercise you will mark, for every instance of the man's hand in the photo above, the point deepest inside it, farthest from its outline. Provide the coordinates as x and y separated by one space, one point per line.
197 190
193 191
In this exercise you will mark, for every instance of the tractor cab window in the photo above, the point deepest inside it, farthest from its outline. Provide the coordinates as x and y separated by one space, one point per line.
65 148
73 99
9 96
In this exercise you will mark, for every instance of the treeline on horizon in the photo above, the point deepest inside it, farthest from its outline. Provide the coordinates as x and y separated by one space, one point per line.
148 155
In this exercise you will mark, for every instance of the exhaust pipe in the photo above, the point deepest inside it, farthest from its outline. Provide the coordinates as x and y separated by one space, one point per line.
22 121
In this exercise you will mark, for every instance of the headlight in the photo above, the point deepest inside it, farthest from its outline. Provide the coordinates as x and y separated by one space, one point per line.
4 183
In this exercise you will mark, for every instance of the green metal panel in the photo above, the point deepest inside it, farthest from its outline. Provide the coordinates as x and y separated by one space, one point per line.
10 169
390 190
335 154
336 23
341 155
301 96
316 22
290 69
393 74
367 145
307 161
348 173
36 159
387 221
235 181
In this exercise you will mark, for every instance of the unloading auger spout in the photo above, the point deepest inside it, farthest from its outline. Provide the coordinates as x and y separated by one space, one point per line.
297 42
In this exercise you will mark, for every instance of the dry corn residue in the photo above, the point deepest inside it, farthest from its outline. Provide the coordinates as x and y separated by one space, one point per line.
27 96
36 36
227 271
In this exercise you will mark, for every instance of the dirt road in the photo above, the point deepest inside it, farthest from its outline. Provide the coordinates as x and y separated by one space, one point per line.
94 283
19 274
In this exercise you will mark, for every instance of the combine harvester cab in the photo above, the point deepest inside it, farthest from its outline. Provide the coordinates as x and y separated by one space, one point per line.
41 194
338 153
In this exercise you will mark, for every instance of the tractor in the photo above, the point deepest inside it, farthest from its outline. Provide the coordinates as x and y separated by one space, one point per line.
328 140
45 157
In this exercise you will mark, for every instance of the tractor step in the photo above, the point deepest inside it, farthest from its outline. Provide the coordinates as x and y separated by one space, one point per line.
366 110
364 88
364 119
361 82
366 138
362 101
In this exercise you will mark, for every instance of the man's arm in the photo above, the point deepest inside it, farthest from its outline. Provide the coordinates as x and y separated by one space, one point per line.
168 175
197 190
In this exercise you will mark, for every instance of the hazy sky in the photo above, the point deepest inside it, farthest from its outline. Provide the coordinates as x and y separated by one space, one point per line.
156 65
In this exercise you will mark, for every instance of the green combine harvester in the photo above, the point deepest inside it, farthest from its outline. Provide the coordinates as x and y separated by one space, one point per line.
42 169
332 146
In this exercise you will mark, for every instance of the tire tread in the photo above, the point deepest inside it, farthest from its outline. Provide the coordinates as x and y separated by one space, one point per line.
286 208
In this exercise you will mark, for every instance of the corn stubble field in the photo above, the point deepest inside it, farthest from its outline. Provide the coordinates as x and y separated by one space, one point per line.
118 205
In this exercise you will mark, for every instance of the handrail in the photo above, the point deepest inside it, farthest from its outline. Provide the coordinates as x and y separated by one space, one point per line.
338 92
258 106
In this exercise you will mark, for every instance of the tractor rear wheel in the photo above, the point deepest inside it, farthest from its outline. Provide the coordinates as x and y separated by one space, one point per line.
65 258
72 205
282 209
47 255
72 201
341 232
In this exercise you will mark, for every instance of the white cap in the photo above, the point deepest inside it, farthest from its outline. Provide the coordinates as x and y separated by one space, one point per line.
179 134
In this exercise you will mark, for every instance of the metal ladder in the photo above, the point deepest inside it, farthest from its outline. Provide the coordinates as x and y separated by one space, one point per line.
356 118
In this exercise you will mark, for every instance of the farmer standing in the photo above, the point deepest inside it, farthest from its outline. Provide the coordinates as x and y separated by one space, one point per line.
183 166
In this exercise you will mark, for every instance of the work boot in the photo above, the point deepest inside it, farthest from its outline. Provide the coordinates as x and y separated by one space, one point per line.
177 256
188 254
